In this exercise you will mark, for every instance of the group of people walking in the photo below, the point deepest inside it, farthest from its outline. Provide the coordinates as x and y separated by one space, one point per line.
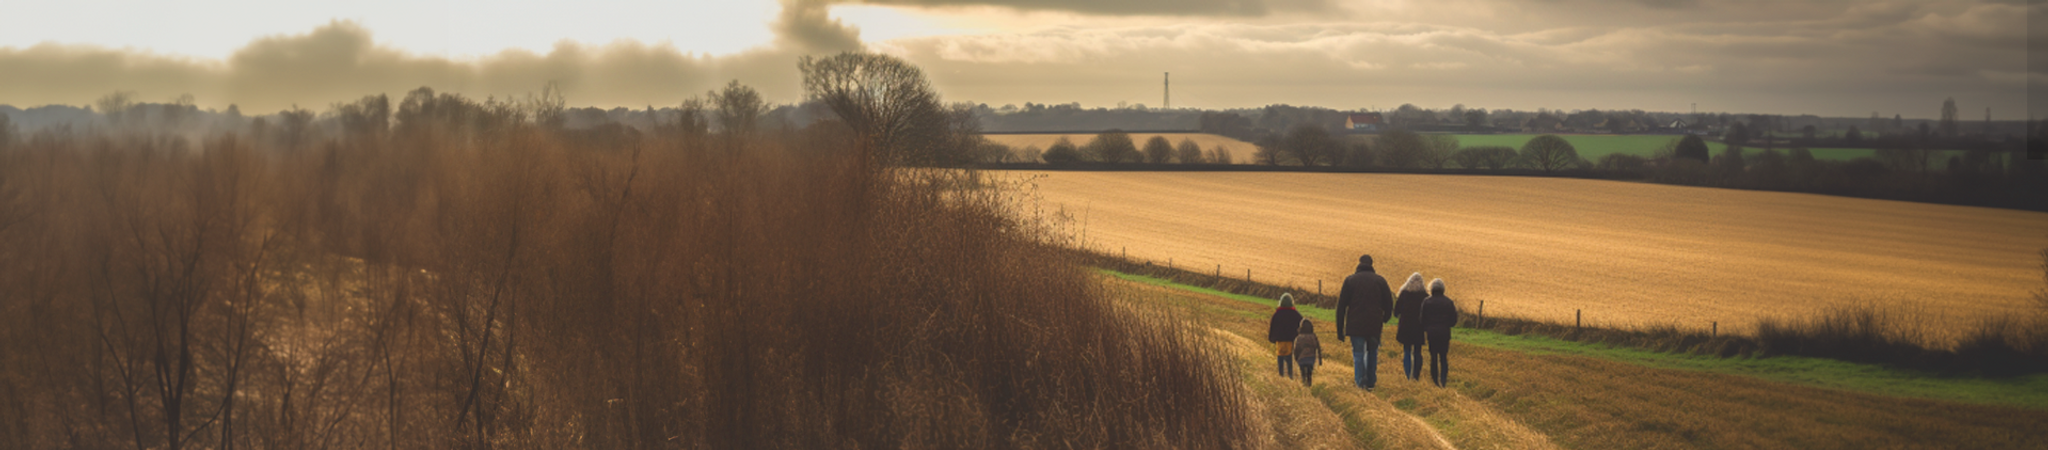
1364 306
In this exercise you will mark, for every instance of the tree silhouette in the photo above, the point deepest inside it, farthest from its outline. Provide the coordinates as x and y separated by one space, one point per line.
1188 152
881 97
1062 151
1550 153
1310 144
1158 150
1948 117
1693 148
1113 146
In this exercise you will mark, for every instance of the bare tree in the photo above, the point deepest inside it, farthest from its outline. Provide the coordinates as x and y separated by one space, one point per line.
880 96
739 112
1158 150
1186 153
1113 146
1310 144
1550 153
116 106
547 106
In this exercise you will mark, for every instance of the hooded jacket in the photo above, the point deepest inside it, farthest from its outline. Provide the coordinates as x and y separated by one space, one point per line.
1439 314
1307 348
1365 304
1408 308
1286 321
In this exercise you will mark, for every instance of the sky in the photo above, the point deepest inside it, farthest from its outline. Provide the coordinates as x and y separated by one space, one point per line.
1828 57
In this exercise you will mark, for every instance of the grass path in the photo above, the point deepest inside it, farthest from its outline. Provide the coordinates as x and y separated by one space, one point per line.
2027 392
1510 398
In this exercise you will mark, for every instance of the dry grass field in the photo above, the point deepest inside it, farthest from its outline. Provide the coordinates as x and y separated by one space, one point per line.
1240 151
1626 253
1507 399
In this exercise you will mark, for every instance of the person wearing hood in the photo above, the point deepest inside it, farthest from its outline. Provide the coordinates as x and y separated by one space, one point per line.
1308 350
1439 314
1286 323
1364 307
1408 308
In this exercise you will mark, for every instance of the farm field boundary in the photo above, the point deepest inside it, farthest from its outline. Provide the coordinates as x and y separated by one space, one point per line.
2028 392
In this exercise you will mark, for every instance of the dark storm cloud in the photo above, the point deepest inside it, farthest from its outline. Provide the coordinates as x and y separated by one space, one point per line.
1827 57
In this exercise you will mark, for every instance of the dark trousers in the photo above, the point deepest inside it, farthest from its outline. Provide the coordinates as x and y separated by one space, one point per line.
1411 360
1440 368
1287 366
1308 371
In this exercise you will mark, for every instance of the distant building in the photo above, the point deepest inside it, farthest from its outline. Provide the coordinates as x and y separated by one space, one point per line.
1363 123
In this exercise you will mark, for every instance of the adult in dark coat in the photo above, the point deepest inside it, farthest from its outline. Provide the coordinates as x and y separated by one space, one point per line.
1286 325
1408 308
1439 314
1363 308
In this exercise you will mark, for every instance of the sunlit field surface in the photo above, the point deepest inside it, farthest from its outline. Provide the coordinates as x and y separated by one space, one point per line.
1626 253
1240 151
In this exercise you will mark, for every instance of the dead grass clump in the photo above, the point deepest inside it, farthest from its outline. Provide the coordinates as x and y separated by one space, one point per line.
476 280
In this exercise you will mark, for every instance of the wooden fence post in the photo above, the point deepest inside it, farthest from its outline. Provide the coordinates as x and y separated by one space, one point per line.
1247 276
1482 310
1717 330
1319 288
1580 318
1219 273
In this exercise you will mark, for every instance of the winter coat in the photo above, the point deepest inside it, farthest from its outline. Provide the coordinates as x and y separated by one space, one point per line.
1365 304
1286 323
1307 349
1439 314
1408 308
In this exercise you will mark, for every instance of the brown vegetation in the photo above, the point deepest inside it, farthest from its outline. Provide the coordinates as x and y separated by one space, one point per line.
476 279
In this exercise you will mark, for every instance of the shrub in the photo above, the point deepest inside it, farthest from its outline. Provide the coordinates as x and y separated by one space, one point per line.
498 284
1062 152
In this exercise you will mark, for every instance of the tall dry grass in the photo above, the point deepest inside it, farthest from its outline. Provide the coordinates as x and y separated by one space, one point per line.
471 280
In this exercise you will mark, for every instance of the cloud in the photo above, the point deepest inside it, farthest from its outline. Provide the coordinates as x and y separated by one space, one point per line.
1237 8
1848 60
341 61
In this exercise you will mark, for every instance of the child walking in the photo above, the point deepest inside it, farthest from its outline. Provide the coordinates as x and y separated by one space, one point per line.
1307 351
1286 322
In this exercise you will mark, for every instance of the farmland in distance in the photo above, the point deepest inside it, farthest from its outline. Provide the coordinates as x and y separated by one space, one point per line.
1240 151
1628 254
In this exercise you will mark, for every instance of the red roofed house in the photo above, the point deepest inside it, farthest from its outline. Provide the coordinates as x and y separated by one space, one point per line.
1363 123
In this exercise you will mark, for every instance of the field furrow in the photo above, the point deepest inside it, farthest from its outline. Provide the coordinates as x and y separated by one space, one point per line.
1625 253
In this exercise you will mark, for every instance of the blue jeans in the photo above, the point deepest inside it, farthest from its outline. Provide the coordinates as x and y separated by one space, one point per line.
1365 361
1411 360
1287 366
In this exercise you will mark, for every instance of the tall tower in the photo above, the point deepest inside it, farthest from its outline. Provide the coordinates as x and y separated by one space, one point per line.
1169 91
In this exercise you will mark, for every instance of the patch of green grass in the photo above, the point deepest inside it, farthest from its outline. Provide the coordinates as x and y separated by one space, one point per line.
2028 391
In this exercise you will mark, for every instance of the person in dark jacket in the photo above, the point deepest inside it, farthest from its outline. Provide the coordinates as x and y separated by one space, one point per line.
1439 314
1308 350
1408 308
1363 308
1286 323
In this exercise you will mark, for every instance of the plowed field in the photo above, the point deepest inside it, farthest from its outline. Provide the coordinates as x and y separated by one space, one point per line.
1626 253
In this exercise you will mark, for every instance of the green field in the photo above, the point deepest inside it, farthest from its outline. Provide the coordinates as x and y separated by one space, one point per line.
1595 146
